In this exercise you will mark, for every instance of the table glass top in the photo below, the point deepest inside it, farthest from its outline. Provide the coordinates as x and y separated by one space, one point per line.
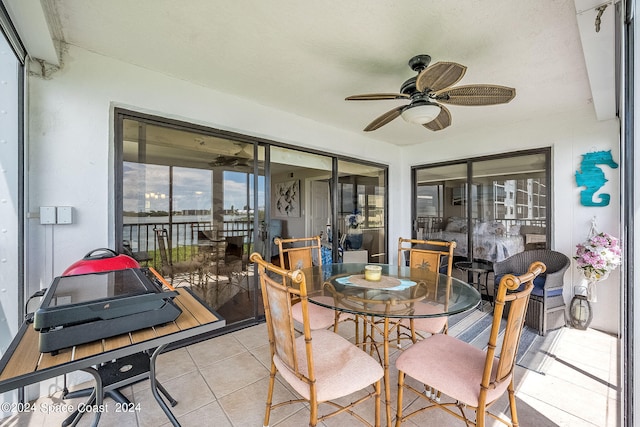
342 286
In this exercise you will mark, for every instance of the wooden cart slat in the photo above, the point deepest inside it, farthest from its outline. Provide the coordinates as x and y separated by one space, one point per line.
29 356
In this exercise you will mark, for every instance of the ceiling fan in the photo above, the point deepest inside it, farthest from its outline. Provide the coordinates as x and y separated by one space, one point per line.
229 161
239 158
429 90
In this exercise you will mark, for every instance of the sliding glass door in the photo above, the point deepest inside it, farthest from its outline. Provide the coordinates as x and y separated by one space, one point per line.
188 210
493 207
193 203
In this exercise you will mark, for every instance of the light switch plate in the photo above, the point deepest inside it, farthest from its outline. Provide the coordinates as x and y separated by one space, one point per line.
64 215
47 214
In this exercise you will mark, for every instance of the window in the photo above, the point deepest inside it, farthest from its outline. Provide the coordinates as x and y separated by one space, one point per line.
493 207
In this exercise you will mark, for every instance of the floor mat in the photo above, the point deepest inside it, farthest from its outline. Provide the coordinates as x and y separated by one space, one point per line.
474 327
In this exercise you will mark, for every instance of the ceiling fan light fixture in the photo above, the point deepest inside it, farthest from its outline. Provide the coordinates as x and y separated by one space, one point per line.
420 114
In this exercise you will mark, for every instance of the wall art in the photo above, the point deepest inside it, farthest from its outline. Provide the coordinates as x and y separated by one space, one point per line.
287 199
592 177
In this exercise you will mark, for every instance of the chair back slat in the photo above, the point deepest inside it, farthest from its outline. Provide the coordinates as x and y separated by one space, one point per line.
426 254
277 293
164 245
511 338
298 253
300 258
515 321
278 301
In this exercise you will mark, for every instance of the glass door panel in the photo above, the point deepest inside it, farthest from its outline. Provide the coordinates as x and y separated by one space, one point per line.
492 208
361 209
440 199
300 196
509 206
188 211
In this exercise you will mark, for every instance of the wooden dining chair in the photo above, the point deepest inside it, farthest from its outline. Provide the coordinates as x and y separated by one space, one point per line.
182 271
435 256
474 378
305 252
320 365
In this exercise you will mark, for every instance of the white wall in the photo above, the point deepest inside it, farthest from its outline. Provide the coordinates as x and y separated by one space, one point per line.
569 137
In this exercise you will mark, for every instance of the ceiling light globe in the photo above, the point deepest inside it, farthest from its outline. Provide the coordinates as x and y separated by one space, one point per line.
421 114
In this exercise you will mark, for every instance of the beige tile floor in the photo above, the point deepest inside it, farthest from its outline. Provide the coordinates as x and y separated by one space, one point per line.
223 381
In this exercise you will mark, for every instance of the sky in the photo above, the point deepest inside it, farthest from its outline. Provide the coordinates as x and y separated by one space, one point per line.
146 188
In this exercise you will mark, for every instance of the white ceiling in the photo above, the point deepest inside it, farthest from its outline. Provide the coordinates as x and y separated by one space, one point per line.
306 57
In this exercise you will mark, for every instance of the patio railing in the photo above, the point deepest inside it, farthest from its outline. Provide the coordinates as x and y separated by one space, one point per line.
141 237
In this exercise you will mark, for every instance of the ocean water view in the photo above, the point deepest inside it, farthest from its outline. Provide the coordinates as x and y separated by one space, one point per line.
140 232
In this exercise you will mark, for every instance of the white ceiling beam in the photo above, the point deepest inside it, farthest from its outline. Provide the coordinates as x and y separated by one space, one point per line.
29 19
599 53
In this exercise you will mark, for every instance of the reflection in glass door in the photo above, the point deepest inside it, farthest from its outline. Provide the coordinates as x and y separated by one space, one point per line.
361 209
300 197
440 200
188 211
509 206
492 207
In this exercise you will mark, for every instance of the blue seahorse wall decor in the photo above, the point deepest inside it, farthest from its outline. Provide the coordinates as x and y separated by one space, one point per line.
592 177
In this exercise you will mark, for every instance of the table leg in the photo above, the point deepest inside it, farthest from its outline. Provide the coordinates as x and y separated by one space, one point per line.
154 386
96 395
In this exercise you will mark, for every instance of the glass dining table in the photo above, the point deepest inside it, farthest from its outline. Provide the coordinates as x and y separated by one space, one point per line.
383 303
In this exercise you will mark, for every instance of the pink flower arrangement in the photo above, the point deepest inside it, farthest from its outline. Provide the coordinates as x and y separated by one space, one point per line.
598 256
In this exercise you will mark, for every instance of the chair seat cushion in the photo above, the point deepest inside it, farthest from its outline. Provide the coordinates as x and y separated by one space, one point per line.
538 286
432 325
319 317
450 365
340 367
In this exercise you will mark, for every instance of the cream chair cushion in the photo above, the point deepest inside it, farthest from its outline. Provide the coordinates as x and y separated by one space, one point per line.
451 366
319 317
340 367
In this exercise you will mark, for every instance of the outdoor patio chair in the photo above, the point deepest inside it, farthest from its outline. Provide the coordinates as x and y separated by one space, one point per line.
320 365
188 268
547 307
474 378
235 262
435 256
305 252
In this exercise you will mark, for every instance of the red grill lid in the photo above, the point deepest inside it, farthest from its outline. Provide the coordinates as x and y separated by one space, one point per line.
101 259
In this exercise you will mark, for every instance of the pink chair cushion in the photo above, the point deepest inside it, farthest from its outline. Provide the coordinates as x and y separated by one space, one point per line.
340 367
319 317
450 365
432 325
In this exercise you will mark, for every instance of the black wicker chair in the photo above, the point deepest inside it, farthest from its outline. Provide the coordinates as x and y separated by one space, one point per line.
546 306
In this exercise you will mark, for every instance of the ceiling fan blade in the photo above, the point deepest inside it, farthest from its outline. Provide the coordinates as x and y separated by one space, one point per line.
476 95
442 121
376 96
384 119
439 76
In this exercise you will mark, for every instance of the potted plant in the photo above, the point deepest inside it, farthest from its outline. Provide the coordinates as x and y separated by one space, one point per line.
598 256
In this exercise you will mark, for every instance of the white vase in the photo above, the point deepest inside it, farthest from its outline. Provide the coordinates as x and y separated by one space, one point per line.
590 283
591 291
